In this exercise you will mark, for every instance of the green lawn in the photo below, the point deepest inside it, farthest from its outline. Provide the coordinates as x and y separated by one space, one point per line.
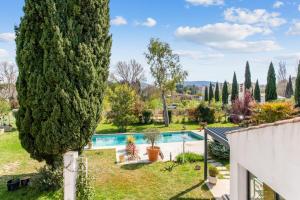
111 181
110 128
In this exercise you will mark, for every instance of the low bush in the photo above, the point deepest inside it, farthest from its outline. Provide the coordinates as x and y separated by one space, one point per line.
271 111
147 114
205 113
217 150
213 171
192 114
49 179
189 157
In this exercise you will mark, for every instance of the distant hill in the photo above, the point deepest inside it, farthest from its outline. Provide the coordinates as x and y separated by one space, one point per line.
197 83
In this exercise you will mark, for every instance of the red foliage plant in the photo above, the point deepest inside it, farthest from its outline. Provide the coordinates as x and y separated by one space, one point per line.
242 107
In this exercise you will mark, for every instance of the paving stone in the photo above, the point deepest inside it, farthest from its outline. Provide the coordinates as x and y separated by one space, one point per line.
224 172
222 168
226 176
217 164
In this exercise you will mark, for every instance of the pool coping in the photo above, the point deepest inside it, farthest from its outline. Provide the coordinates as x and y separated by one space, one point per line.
197 132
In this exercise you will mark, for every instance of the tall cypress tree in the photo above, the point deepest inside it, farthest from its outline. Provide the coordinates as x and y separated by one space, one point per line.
206 94
217 93
289 88
257 95
63 54
248 83
297 88
211 93
235 89
225 93
271 93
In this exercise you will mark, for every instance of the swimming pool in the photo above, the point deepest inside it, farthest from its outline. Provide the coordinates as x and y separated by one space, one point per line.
105 140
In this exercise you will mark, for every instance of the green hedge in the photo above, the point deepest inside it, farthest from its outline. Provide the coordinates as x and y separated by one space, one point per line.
217 150
189 157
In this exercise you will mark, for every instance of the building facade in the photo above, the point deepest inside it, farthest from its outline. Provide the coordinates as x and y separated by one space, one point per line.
265 162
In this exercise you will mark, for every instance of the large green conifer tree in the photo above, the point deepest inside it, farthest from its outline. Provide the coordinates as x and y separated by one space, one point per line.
211 93
217 93
271 92
297 88
63 54
234 89
206 94
257 95
289 88
248 83
225 93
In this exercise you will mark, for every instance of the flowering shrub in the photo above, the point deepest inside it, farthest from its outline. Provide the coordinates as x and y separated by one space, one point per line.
241 108
271 111
131 147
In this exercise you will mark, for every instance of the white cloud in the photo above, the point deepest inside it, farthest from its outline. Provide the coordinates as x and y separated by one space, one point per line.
246 46
205 2
118 21
259 17
3 53
150 22
228 37
289 56
278 4
197 55
218 32
294 29
7 37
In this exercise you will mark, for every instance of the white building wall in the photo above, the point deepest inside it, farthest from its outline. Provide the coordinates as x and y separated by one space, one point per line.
271 153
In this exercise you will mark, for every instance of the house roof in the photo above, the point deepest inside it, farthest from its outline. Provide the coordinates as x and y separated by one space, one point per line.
287 121
219 133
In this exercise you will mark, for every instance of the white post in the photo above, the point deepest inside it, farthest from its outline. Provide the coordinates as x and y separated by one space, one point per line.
70 175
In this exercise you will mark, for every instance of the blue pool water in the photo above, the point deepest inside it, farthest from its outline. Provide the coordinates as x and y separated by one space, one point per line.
120 139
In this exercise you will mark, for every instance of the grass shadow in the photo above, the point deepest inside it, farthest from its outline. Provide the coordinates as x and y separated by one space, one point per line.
134 166
201 184
29 192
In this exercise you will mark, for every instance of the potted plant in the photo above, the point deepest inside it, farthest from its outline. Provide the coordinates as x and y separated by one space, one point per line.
131 149
213 172
13 184
152 135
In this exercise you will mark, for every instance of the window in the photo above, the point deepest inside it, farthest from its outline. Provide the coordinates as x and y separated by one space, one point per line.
257 190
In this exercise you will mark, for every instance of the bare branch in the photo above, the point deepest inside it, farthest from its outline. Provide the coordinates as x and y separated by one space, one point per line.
8 78
282 74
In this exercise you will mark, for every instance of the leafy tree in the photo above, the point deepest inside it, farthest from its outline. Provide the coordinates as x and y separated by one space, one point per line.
165 68
289 89
225 93
257 95
4 108
297 88
122 100
235 89
206 94
63 58
271 93
217 93
248 83
211 93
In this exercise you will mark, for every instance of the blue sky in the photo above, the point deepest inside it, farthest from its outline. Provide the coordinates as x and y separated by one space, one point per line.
214 38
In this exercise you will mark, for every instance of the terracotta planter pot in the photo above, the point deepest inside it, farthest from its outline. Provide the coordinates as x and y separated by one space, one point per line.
153 153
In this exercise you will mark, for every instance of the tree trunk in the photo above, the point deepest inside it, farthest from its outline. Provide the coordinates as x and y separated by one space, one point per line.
166 116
